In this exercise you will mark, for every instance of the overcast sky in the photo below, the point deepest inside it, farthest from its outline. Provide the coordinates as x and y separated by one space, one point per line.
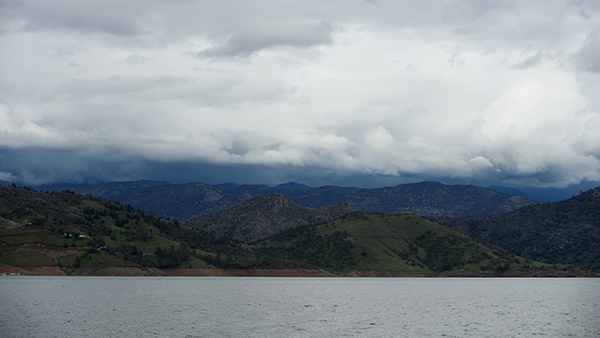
363 93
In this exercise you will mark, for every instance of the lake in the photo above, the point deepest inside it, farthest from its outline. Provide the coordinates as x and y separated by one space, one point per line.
298 307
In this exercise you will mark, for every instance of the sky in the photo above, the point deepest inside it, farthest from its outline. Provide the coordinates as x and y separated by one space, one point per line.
355 92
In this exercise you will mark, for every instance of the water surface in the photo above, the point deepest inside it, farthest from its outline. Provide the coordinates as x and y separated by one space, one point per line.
298 307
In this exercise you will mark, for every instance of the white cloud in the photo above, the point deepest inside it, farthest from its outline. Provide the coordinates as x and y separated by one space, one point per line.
379 139
503 91
8 177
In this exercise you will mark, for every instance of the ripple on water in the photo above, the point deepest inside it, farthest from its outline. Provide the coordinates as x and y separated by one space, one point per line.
298 307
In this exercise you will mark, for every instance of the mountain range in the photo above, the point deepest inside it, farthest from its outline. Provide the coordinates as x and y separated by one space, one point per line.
73 232
428 199
76 234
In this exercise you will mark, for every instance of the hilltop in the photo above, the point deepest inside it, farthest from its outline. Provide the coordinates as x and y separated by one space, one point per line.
265 216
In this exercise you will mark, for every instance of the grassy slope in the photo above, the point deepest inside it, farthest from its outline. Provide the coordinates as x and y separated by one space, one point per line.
407 242
129 236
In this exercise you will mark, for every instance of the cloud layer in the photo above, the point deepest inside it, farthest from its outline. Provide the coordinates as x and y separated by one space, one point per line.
494 92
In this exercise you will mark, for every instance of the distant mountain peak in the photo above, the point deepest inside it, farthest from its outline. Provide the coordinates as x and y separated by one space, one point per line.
223 185
293 185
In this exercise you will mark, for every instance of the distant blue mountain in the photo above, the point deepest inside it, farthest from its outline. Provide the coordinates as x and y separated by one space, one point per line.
549 194
223 185
507 190
430 199
293 185
53 186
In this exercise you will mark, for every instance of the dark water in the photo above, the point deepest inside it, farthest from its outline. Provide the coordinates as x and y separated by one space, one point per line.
298 307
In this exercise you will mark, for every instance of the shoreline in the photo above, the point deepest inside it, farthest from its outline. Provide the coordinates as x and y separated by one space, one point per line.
217 272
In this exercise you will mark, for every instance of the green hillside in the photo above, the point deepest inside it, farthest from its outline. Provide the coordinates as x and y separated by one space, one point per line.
77 234
380 242
71 231
565 232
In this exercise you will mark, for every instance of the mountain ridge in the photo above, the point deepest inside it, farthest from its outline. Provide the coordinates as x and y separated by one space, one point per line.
429 199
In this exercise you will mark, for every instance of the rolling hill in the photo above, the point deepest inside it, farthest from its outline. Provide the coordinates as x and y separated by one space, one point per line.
68 233
379 242
72 233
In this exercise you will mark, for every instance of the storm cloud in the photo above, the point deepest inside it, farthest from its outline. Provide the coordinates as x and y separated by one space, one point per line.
487 92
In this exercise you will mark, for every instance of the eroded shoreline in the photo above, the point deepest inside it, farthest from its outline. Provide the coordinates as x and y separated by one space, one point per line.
216 272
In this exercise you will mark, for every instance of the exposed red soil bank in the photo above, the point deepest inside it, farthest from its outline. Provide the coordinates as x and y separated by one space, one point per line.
33 270
140 271
383 273
250 272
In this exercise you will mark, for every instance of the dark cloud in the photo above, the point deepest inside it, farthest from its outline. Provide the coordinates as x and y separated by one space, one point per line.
38 165
529 62
110 17
588 57
62 169
243 44
479 8
495 92
373 2
137 59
